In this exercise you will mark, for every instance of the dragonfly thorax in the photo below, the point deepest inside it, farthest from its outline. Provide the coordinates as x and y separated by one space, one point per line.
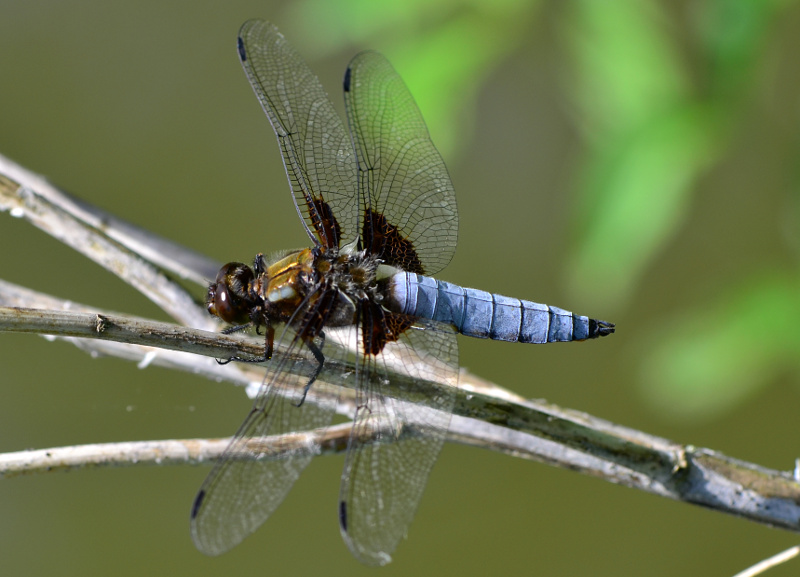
268 293
353 274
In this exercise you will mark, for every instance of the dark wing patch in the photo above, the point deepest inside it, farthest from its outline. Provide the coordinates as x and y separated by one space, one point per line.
380 326
386 242
324 221
401 176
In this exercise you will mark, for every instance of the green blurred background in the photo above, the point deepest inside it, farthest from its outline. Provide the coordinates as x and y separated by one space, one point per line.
634 161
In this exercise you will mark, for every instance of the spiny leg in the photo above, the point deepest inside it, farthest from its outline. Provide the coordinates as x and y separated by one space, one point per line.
268 342
317 352
259 265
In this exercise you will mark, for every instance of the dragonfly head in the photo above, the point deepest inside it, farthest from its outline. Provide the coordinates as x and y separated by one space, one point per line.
228 296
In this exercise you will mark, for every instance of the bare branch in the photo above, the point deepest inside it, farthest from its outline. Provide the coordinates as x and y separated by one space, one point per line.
485 415
767 564
162 253
167 452
131 330
96 243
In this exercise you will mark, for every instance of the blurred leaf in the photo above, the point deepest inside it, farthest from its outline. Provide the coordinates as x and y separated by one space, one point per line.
650 134
710 360
329 26
626 67
734 34
457 44
636 194
647 142
446 69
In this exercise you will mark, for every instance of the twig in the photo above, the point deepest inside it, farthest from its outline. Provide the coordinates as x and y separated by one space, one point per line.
774 561
98 244
162 253
167 452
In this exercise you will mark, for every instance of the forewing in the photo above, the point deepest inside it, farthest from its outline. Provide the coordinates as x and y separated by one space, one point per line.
247 484
407 203
395 443
316 149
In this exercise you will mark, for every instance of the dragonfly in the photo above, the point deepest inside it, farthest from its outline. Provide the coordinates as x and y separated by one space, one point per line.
379 207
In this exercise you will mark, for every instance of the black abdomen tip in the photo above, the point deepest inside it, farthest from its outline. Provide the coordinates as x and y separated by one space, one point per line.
600 328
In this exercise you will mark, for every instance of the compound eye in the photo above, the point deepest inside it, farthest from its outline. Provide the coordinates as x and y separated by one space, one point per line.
219 303
228 296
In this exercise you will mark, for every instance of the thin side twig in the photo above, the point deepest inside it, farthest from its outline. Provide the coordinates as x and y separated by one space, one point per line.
767 564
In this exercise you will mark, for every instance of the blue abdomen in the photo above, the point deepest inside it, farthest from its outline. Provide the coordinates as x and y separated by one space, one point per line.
484 315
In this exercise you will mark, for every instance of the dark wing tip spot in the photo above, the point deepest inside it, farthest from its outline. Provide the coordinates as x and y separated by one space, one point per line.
347 80
240 47
198 501
343 515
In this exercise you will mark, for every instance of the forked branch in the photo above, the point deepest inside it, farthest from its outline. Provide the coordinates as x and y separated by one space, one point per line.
485 415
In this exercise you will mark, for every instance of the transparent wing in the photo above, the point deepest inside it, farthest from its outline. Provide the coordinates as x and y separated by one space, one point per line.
316 149
241 493
407 202
395 443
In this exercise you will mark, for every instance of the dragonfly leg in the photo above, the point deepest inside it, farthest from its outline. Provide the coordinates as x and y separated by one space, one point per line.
236 329
268 341
259 265
316 350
